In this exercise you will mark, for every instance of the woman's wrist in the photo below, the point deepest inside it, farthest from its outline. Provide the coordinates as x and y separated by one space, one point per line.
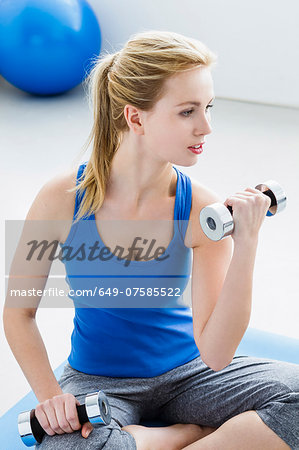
248 243
47 394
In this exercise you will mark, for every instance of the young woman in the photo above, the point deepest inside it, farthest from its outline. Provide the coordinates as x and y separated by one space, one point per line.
154 357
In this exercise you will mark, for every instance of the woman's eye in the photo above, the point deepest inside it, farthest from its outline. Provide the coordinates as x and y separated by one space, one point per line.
190 111
187 112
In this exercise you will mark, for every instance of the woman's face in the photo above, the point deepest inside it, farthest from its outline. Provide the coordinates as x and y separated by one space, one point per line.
171 127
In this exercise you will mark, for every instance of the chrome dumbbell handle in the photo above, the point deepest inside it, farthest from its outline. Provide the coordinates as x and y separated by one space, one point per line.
95 410
217 219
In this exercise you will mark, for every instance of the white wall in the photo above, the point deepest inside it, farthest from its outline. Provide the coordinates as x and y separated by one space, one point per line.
257 42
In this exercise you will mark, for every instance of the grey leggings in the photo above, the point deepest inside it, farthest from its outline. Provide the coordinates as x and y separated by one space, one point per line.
191 393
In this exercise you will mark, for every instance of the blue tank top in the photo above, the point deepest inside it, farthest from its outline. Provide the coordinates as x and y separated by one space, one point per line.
131 321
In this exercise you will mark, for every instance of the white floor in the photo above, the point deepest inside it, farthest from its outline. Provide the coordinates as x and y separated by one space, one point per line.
250 143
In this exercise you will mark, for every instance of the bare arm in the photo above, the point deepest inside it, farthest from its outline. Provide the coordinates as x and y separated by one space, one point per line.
26 343
231 315
222 284
56 411
19 311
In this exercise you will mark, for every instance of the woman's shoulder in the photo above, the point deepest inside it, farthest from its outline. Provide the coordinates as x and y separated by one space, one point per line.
202 193
54 201
202 196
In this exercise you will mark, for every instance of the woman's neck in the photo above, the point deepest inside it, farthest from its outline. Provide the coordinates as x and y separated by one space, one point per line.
138 177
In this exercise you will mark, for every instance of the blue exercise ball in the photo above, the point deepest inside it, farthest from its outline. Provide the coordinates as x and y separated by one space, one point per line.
47 46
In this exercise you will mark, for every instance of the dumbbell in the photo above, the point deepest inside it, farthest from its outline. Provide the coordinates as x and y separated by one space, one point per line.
217 222
95 410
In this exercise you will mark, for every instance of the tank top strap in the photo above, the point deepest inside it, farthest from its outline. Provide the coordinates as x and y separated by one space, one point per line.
79 196
183 202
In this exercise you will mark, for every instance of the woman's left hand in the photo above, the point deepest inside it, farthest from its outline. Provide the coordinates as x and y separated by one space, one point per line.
249 211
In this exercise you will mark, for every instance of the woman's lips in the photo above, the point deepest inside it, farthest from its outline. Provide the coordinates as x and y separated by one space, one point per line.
198 150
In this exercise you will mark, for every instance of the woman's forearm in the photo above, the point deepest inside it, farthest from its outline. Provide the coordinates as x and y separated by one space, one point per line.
231 315
29 350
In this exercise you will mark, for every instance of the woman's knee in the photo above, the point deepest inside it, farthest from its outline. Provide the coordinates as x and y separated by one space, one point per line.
279 398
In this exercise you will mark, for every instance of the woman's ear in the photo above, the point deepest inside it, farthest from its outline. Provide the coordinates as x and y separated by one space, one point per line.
134 120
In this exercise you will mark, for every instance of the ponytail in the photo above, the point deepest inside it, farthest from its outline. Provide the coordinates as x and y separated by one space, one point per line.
105 140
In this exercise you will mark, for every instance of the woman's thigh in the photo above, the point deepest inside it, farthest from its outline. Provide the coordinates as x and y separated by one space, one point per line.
107 438
209 398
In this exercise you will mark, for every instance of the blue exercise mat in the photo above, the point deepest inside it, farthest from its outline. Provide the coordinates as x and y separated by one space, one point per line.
254 343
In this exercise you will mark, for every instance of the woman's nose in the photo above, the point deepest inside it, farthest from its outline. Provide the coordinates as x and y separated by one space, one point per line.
204 127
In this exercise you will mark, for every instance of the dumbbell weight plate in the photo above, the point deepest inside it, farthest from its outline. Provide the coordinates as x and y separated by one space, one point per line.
216 221
97 408
24 427
277 195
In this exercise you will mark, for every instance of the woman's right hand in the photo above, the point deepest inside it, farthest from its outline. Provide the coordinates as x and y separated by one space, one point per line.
58 415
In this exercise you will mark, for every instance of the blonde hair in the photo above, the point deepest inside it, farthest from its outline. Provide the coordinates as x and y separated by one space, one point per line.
134 75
